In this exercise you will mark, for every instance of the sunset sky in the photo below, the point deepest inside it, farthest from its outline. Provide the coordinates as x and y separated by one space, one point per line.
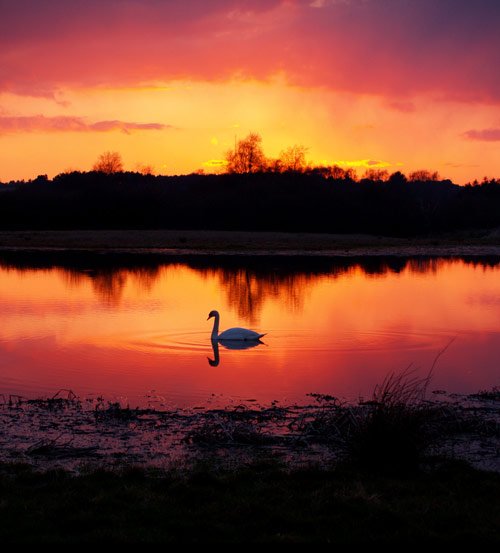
398 84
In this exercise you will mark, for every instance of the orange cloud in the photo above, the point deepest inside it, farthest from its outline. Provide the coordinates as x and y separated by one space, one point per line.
216 163
364 163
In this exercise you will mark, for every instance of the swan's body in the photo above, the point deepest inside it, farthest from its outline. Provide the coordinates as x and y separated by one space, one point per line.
241 334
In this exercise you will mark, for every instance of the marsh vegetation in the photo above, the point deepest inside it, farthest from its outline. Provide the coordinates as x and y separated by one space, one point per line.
259 474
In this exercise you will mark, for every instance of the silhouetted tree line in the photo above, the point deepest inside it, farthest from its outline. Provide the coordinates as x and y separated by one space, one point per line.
311 200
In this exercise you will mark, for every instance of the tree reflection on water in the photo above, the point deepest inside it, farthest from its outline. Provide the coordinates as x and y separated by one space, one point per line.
109 284
248 281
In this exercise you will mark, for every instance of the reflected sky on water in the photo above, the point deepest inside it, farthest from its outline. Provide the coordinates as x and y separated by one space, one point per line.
134 330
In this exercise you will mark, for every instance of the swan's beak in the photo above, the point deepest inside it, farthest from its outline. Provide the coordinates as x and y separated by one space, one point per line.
209 317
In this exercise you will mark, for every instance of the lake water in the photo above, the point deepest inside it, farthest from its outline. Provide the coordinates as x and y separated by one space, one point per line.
137 331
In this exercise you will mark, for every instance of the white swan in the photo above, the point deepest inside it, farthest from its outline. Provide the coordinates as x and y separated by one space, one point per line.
232 333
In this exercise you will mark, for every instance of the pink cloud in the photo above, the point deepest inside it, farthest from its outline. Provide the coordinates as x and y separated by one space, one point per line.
40 123
487 135
402 106
127 127
445 48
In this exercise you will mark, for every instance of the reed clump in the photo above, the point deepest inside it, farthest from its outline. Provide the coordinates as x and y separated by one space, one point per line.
393 431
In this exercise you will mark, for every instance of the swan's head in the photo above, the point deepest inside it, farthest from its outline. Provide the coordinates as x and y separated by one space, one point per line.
212 314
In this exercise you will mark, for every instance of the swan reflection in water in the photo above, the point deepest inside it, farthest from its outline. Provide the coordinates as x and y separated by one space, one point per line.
230 344
232 338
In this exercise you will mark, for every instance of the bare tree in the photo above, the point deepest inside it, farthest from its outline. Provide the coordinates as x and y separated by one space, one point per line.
423 175
337 172
109 162
273 165
247 156
144 169
293 158
350 174
376 174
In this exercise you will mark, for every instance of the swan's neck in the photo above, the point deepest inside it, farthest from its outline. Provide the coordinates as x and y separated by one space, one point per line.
215 329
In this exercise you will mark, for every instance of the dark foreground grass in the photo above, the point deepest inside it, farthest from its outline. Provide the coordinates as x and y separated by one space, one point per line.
262 503
391 480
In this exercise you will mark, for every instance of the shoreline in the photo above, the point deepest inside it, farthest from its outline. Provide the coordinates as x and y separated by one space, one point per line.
197 242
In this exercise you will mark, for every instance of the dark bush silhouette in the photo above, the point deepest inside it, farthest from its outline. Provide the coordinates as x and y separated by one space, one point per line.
310 201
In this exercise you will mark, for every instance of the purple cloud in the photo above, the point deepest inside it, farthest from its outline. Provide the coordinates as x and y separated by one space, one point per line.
40 123
106 126
487 135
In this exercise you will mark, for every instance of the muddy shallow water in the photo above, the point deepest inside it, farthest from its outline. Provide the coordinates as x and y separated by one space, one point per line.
65 432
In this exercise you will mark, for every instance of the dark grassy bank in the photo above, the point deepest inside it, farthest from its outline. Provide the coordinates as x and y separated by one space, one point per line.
393 478
285 202
262 503
163 241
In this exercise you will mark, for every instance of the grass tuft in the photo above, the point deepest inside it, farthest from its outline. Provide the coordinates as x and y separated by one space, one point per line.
392 432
